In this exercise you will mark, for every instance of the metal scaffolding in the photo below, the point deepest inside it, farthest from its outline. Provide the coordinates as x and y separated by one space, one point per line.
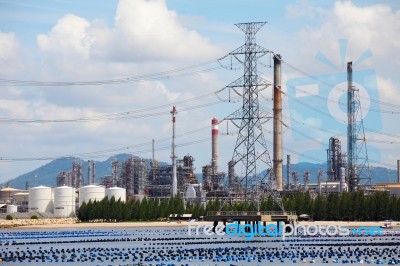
64 179
185 173
159 181
134 172
335 159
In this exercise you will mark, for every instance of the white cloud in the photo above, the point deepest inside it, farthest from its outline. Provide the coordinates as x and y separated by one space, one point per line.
304 9
10 49
143 31
388 89
147 37
372 27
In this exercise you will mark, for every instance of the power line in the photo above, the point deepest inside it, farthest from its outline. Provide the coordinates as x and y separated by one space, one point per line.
117 116
110 152
179 72
331 85
328 115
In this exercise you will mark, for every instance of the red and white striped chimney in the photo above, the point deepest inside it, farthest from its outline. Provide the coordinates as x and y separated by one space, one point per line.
214 143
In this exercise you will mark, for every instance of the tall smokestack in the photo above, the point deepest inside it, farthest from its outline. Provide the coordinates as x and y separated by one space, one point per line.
214 143
173 156
277 161
288 172
398 171
152 152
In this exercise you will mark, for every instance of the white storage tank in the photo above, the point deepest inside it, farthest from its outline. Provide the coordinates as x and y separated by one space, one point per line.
117 192
6 194
40 199
12 208
64 201
91 192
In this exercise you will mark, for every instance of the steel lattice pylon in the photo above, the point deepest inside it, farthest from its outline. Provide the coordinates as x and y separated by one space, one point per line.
251 148
357 155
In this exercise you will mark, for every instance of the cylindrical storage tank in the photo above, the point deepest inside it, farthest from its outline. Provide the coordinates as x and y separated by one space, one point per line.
117 192
12 208
64 201
40 199
91 192
6 194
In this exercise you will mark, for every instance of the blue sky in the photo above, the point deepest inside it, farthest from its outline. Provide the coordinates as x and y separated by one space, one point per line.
94 40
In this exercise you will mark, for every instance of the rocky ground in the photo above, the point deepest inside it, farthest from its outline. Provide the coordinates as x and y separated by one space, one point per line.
33 222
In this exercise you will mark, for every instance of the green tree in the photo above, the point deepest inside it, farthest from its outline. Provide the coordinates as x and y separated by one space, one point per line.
319 208
83 213
392 208
163 208
307 203
143 210
333 212
299 205
135 210
128 211
345 206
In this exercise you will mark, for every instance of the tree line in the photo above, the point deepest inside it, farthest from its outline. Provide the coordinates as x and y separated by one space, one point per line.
348 206
111 210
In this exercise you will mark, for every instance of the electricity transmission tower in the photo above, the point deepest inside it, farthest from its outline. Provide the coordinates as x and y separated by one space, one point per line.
357 155
251 149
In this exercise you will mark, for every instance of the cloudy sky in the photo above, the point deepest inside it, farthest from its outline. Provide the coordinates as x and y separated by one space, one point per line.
95 78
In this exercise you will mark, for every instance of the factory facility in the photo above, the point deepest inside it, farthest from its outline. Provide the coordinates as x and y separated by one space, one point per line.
137 178
134 178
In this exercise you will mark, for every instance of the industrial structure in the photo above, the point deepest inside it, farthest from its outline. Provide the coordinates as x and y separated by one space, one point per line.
64 179
73 178
91 193
278 163
64 201
173 155
357 155
134 173
136 178
40 199
214 144
185 173
335 159
77 174
251 150
118 193
91 172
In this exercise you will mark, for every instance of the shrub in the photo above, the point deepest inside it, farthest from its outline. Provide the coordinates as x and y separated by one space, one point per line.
34 217
9 217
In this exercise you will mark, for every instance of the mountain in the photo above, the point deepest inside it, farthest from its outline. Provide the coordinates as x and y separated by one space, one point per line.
46 174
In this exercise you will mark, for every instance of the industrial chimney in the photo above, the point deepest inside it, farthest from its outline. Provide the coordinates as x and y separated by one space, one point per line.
214 143
277 132
398 171
173 156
